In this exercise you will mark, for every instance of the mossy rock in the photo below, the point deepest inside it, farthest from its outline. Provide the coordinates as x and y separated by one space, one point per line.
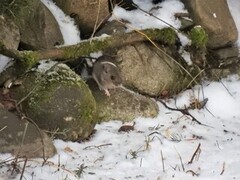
58 101
122 104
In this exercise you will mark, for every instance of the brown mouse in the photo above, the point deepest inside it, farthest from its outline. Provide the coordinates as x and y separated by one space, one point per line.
106 74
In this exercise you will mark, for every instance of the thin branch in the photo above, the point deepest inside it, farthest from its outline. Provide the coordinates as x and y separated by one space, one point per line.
180 158
83 48
223 168
24 166
195 153
163 166
92 147
183 111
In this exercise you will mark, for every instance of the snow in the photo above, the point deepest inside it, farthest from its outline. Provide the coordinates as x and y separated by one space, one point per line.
70 32
157 148
139 20
4 62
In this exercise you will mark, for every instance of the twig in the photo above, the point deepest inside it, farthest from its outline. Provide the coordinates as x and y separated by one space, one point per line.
195 153
184 112
150 14
3 128
24 166
39 131
92 147
141 162
163 166
192 172
223 168
180 160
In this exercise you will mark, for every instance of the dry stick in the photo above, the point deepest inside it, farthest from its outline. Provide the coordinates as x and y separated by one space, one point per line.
83 48
180 160
92 147
136 6
24 166
3 128
163 166
59 164
95 24
184 112
24 135
223 169
39 131
195 153
141 162
192 172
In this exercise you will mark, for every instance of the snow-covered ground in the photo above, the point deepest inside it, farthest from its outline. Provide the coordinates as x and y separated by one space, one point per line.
170 146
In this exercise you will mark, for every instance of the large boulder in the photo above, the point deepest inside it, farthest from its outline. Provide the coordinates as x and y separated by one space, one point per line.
9 34
58 101
215 17
88 14
122 104
22 138
153 71
38 27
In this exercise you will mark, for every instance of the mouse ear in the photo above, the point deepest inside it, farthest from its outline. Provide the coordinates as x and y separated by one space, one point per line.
106 68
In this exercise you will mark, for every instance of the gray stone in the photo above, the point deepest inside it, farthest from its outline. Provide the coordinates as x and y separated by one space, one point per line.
112 28
37 25
22 138
9 34
215 17
87 13
152 71
227 52
122 104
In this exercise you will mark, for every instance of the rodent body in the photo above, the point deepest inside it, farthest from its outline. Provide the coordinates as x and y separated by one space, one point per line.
106 74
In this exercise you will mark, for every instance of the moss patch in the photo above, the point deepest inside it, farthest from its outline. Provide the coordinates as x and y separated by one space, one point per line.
198 37
59 100
166 35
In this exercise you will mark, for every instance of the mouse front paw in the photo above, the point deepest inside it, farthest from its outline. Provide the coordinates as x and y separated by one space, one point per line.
107 92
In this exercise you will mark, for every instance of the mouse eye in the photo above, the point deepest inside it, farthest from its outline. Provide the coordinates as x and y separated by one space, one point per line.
112 78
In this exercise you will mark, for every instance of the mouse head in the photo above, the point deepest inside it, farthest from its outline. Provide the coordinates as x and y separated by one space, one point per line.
110 75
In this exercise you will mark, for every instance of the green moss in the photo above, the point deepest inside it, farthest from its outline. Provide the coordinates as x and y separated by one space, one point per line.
166 35
83 49
198 37
28 61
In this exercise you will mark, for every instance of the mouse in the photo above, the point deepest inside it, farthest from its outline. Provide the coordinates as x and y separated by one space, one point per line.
106 74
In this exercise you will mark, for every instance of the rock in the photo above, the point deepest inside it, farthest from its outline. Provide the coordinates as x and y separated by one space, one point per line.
22 138
150 71
37 25
215 18
226 68
122 104
112 28
225 53
87 14
59 101
9 34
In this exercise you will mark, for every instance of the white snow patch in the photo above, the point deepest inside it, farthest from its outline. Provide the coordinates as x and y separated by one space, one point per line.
140 20
4 62
70 32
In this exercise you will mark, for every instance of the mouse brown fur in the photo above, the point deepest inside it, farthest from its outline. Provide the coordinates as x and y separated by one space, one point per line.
106 74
